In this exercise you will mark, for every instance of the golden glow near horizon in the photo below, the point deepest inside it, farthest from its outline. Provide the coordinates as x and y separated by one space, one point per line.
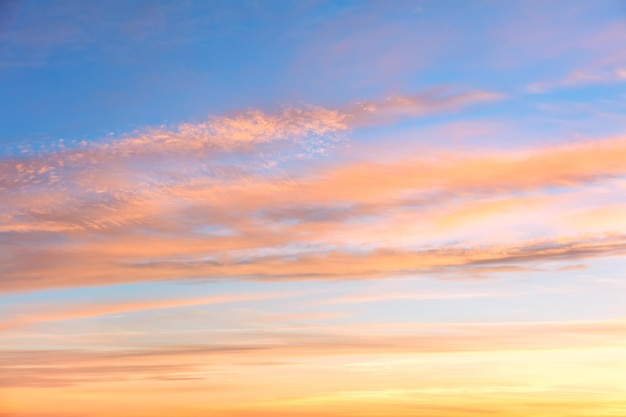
404 209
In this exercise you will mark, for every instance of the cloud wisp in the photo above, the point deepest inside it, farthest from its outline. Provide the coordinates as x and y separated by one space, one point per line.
39 368
580 79
45 314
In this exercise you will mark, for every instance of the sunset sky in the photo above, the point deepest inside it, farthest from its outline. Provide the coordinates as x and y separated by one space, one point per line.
309 208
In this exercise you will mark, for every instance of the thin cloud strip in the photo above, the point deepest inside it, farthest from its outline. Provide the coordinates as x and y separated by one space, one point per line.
40 367
82 311
69 269
580 79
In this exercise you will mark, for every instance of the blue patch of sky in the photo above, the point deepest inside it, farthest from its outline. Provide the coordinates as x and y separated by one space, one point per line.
174 289
180 63
136 65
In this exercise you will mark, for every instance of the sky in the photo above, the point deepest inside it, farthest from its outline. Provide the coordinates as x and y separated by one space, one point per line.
312 208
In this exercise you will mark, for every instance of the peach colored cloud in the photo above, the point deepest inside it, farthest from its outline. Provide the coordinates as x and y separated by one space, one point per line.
74 267
38 367
437 100
83 164
43 314
105 184
373 298
581 78
312 126
106 215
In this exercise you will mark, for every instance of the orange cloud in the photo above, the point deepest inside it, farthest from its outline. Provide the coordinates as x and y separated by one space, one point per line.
440 369
276 348
581 78
72 268
70 312
105 215
434 101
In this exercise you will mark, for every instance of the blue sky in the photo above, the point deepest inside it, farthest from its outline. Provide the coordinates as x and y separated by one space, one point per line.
81 70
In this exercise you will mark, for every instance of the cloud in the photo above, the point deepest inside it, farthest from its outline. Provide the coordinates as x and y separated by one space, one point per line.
117 182
51 313
408 296
75 267
164 145
581 78
202 361
437 100
121 181
243 197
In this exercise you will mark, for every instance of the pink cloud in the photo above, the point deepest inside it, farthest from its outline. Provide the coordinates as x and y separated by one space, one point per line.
581 78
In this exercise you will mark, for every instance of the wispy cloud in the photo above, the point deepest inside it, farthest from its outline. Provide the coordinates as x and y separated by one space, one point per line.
40 368
215 183
579 79
75 267
162 205
434 101
51 313
374 298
